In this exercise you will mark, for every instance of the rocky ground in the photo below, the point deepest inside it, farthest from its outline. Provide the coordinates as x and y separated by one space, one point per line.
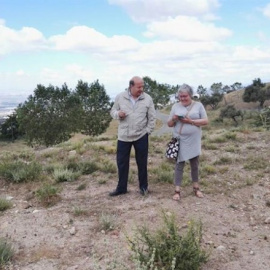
235 214
235 226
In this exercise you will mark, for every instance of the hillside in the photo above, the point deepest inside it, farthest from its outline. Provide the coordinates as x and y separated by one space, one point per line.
85 229
235 98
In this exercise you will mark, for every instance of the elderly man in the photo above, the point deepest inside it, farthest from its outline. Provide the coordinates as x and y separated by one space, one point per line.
136 114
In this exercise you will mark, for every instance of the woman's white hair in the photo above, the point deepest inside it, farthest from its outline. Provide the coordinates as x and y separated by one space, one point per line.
185 88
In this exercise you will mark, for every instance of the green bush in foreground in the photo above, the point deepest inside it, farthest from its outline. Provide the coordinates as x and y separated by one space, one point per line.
6 252
48 195
19 171
166 249
4 204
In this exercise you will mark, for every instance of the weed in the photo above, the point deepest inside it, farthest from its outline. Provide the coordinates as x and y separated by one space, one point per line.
18 171
207 169
81 186
63 175
48 195
102 181
209 146
6 252
255 163
88 167
108 167
107 222
231 136
4 204
77 211
223 160
223 169
166 248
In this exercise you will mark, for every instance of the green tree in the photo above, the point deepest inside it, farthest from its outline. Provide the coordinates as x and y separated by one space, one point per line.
95 107
202 91
10 128
257 92
49 116
236 86
160 93
230 112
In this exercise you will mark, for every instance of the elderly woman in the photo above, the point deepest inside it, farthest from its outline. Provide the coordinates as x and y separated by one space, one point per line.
186 118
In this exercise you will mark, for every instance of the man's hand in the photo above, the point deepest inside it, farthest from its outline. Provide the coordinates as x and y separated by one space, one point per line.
122 114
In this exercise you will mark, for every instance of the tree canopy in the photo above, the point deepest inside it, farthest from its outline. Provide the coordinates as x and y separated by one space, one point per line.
160 93
52 114
257 92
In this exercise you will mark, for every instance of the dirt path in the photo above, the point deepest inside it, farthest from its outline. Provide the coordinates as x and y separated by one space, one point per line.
164 129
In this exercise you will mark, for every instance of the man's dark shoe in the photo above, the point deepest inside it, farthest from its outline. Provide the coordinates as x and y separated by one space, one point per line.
144 192
117 193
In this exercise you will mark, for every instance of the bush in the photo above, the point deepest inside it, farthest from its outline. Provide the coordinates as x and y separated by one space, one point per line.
47 195
65 175
4 204
167 249
20 171
263 119
6 252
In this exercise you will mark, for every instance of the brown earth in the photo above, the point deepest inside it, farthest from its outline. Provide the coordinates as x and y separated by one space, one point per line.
235 212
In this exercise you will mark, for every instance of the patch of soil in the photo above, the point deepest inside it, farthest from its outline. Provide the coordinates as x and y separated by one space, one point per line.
235 226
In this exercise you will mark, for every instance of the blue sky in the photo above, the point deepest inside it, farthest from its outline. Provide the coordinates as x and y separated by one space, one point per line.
199 42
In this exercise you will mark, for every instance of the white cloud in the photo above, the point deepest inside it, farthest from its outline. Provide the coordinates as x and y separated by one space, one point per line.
146 11
27 39
266 10
83 38
188 29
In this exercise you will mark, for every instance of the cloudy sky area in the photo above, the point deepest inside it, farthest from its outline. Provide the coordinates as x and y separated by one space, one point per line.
199 42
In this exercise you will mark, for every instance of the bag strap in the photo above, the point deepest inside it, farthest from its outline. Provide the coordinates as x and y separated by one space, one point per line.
189 109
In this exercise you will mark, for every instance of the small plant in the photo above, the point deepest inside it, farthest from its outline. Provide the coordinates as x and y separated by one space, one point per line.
63 175
207 169
18 171
107 222
6 252
108 167
166 248
88 167
102 181
223 160
47 195
77 211
81 186
4 204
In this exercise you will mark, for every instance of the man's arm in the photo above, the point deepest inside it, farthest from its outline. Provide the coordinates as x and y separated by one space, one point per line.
151 117
115 109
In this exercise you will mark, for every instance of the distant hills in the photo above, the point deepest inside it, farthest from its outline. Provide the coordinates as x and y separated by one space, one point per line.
235 98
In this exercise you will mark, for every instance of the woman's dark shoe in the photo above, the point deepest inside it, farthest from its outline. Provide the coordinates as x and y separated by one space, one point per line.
197 192
117 193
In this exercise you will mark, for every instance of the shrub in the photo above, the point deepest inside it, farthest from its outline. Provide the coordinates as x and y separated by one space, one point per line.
107 222
63 175
4 204
167 249
6 252
48 195
20 171
88 167
263 118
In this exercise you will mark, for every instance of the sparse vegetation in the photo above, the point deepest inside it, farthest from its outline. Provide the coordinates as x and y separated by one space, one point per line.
48 195
4 204
166 248
233 158
107 222
6 252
